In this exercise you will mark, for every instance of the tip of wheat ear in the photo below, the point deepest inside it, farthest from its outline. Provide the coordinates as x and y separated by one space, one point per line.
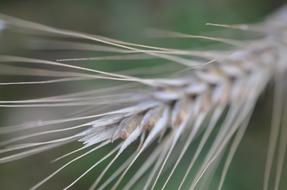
169 112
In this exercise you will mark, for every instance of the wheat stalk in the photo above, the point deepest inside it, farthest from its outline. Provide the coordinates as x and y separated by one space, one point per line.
161 116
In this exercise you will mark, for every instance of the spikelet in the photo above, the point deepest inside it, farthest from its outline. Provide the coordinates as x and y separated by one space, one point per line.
161 116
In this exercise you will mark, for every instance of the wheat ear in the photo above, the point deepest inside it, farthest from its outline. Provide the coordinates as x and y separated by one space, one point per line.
159 116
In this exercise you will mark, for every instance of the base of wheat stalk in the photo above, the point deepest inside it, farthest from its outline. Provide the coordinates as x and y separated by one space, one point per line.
151 122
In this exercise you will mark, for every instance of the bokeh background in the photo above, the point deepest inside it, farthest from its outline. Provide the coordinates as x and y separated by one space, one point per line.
128 20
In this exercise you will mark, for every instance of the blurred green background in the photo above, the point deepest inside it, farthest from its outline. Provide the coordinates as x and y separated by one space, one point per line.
127 20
